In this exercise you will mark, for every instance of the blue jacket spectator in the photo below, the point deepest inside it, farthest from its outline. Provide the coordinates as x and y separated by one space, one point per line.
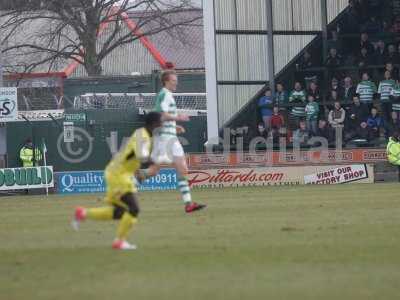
265 105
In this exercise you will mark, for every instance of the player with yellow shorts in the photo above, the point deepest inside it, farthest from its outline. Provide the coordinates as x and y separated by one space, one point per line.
121 190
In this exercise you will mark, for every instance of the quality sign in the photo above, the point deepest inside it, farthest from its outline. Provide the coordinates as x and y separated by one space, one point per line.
8 104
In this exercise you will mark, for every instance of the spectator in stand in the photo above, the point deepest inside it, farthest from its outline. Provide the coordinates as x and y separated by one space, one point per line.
396 25
393 124
392 56
335 86
334 60
372 26
337 116
364 59
361 132
380 53
281 97
385 90
277 123
301 135
306 61
261 132
348 90
366 89
375 124
395 99
297 99
324 131
312 112
314 91
365 43
335 42
394 72
357 114
265 105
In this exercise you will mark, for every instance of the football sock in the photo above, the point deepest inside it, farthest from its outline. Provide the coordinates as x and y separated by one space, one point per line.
125 225
101 213
184 189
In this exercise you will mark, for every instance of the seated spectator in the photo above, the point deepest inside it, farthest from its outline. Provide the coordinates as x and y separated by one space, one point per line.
301 135
365 43
395 99
366 89
384 91
324 131
372 26
357 114
265 105
312 112
297 99
281 97
348 90
361 132
306 61
364 59
392 56
314 91
261 132
375 124
393 124
337 116
380 53
334 60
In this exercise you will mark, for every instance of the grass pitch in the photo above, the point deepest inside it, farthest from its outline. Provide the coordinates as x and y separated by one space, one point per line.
313 242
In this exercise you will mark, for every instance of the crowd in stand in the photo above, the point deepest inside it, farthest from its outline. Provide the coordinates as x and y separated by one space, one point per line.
362 101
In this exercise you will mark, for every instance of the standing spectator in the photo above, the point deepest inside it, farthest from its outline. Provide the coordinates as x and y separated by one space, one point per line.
314 91
357 113
277 123
337 116
306 61
281 97
380 53
265 105
365 43
297 99
334 60
334 41
392 56
385 90
393 124
394 72
364 59
395 99
301 135
366 89
335 86
375 124
312 111
372 26
27 155
348 90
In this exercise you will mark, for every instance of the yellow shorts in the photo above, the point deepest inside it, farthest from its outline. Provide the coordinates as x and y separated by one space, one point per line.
117 186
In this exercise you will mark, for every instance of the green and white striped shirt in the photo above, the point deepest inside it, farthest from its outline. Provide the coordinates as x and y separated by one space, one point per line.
385 88
366 89
299 99
396 94
165 102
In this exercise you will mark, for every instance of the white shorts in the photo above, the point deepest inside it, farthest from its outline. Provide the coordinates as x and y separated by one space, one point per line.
166 149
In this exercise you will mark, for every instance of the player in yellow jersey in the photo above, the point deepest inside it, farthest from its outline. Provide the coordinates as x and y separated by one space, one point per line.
121 191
